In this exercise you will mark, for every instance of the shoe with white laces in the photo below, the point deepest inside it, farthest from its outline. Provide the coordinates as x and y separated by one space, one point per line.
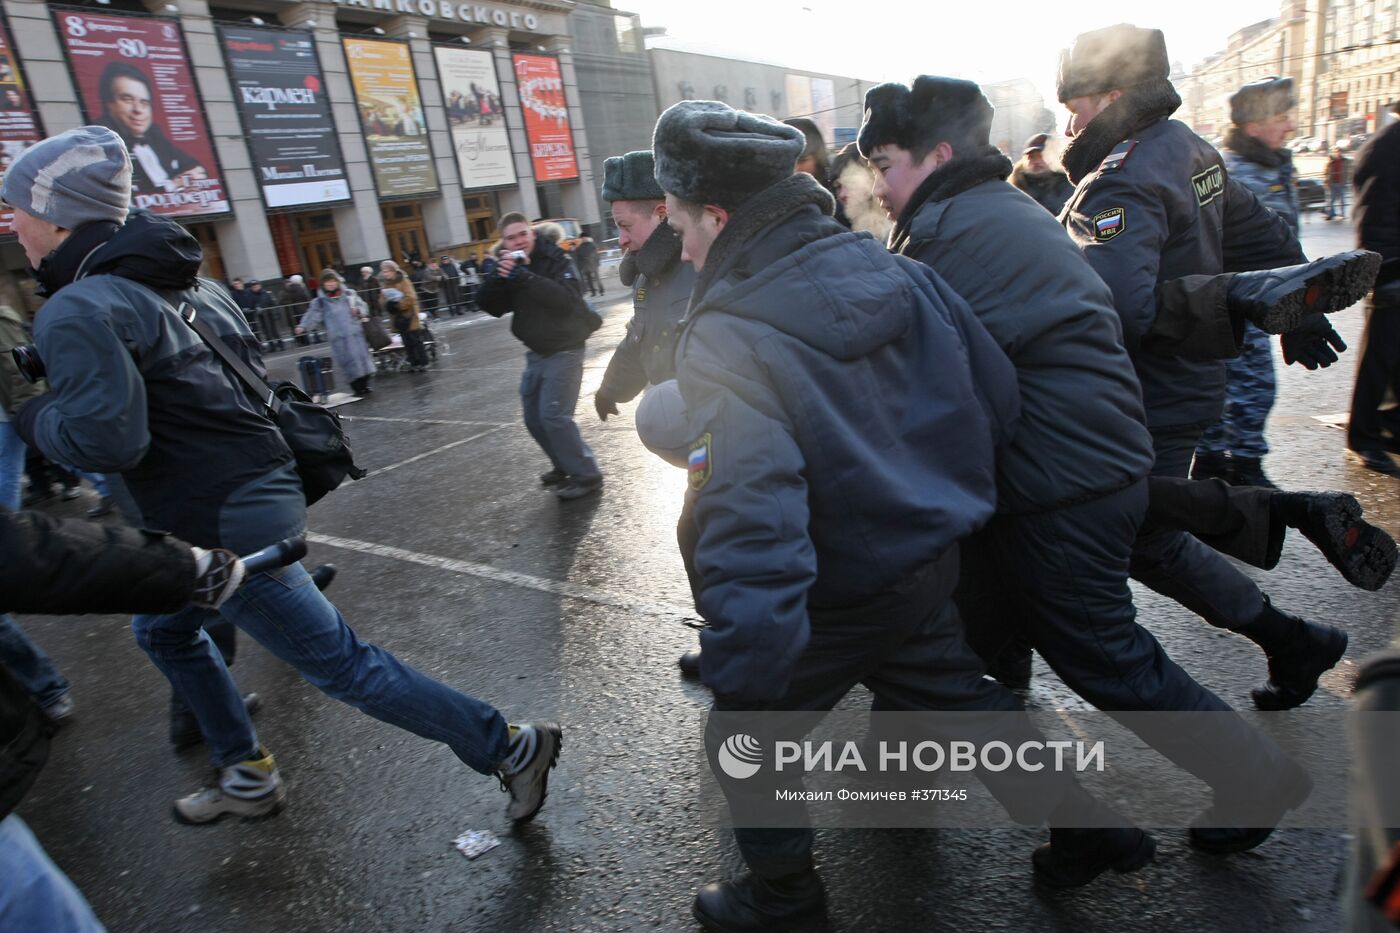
249 790
524 772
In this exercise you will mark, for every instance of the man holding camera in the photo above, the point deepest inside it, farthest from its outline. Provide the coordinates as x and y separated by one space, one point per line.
535 281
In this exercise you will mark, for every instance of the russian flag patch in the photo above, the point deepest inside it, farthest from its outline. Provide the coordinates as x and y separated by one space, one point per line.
1108 224
698 463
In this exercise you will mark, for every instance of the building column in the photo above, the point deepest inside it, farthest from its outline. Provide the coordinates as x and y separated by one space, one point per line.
444 217
358 225
580 200
523 198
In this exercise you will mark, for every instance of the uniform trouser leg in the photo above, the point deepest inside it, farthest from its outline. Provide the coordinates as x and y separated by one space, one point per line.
1178 565
1250 390
1377 374
908 647
1069 567
561 376
1234 520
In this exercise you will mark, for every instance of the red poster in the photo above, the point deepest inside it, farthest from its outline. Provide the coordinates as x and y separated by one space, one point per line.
19 126
133 77
546 117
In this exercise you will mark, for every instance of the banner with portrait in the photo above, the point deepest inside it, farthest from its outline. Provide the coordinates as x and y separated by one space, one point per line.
133 77
391 115
281 97
475 117
19 124
547 128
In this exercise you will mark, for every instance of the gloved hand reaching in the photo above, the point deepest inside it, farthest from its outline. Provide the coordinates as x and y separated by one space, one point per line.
604 405
1314 343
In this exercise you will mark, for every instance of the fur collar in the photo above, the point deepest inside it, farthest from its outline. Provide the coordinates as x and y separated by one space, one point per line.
952 179
1140 106
762 210
660 253
1252 150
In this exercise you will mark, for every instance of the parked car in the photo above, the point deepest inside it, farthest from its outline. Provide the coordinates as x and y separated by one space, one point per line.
1312 194
1354 142
1304 144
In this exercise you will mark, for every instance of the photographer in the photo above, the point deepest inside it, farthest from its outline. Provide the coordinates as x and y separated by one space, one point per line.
536 282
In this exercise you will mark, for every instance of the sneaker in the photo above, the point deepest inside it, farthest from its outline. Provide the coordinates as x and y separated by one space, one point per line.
250 789
554 478
60 710
524 773
1332 521
575 488
184 728
1278 300
103 507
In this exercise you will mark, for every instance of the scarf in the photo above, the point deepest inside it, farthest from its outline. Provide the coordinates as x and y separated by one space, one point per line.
1252 150
1140 106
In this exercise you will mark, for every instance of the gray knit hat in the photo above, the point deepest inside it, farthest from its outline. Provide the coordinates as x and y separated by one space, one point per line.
631 177
1262 99
709 153
72 178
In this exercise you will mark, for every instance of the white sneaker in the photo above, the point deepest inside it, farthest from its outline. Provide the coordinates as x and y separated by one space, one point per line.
249 789
524 774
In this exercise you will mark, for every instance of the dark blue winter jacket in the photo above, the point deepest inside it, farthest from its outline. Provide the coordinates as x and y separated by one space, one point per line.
845 406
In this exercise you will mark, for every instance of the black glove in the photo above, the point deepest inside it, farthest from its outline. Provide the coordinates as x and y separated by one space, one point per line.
1313 344
28 415
604 405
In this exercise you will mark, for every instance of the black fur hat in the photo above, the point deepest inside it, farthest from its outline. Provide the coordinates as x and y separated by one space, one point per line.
1113 57
934 110
1262 99
631 177
709 153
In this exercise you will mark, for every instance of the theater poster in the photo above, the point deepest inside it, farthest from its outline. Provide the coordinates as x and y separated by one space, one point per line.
281 98
547 127
391 115
133 76
475 117
19 124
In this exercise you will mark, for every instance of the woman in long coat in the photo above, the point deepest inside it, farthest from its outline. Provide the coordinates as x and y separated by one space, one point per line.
341 312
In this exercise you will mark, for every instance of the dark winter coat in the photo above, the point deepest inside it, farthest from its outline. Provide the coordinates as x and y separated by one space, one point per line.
67 567
134 390
1154 202
845 406
660 296
1378 201
544 299
1050 190
1081 433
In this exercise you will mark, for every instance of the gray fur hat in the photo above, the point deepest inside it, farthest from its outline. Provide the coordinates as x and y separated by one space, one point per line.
1259 100
631 177
72 178
1114 57
709 153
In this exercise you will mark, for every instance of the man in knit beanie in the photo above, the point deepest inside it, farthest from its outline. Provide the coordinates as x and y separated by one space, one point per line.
819 380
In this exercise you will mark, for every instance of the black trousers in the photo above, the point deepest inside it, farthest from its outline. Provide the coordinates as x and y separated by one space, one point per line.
1061 578
413 348
1234 520
906 645
1377 374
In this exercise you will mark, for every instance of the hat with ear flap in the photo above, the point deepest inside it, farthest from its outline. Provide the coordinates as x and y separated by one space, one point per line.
709 153
631 177
1111 58
934 109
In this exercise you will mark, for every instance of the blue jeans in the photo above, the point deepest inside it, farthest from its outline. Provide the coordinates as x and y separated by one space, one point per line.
1336 200
548 394
11 466
285 613
29 664
36 894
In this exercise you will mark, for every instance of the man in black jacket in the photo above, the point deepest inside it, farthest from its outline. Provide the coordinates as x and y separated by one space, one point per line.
536 282
1033 175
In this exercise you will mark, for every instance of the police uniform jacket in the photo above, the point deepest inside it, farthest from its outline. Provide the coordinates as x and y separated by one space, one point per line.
1159 207
660 296
1271 184
1081 433
845 406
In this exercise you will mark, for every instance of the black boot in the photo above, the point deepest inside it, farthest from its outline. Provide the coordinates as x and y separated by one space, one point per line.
1299 653
184 728
751 903
1012 666
1074 857
690 662
1248 471
1278 300
1265 808
323 575
1332 521
1208 465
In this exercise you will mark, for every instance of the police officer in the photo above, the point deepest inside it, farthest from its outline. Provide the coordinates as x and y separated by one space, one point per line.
1234 447
661 284
1071 483
1155 203
828 502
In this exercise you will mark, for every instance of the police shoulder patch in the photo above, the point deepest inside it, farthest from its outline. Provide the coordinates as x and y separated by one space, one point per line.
1208 184
699 467
1108 224
1115 159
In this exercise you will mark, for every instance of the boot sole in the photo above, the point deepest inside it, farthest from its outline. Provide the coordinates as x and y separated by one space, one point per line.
246 818
1272 698
558 734
1143 853
1331 290
1363 554
1301 793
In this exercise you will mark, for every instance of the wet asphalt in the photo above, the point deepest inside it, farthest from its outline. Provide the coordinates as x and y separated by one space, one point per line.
451 555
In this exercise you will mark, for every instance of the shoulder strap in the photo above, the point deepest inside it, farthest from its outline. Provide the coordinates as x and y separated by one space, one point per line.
261 390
